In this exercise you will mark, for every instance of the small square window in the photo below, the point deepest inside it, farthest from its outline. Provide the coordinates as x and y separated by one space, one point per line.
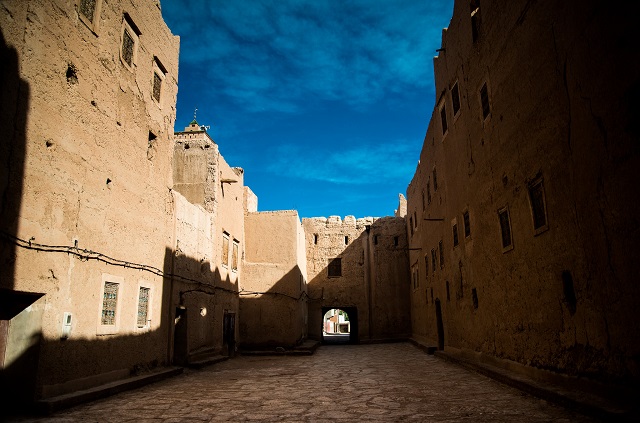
455 98
467 224
505 229
335 268
538 206
484 100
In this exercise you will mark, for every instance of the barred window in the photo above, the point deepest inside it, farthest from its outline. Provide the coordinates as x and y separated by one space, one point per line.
143 306
157 86
127 47
109 303
335 268
88 8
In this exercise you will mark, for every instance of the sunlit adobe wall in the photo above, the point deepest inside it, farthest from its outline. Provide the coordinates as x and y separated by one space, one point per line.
535 172
96 149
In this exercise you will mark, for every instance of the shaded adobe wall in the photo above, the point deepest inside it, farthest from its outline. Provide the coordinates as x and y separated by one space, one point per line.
559 84
373 273
272 301
96 176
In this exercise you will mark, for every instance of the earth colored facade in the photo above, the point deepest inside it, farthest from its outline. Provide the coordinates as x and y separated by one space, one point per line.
126 247
534 165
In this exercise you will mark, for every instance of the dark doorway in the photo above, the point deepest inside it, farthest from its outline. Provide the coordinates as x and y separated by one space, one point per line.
338 335
229 333
180 347
440 325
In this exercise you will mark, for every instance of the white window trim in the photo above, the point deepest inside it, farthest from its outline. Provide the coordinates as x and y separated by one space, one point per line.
92 25
110 329
144 284
136 41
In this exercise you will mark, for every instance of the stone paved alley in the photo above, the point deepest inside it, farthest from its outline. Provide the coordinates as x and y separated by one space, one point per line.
380 382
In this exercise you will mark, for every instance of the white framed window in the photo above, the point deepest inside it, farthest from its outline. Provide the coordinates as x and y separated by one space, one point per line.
129 42
89 13
110 304
145 296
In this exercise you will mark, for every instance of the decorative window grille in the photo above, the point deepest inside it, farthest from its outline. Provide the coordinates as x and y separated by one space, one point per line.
335 267
484 99
88 8
127 47
143 306
455 98
505 228
157 86
109 303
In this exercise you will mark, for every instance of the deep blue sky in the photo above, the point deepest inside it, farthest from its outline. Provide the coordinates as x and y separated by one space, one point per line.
324 103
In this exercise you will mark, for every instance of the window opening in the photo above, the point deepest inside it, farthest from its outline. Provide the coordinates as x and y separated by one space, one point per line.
443 118
455 98
435 180
395 241
426 266
467 224
346 240
538 206
505 229
109 303
315 238
433 260
225 250
157 85
428 192
441 248
448 295
143 306
375 239
474 297
234 256
484 99
335 267
455 234
127 47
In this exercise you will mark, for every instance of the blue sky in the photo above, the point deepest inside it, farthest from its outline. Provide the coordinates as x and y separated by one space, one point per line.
324 103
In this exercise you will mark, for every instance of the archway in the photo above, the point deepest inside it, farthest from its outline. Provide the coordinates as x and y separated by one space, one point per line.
339 325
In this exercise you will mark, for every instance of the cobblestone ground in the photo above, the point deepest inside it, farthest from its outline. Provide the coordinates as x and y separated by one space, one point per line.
380 383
